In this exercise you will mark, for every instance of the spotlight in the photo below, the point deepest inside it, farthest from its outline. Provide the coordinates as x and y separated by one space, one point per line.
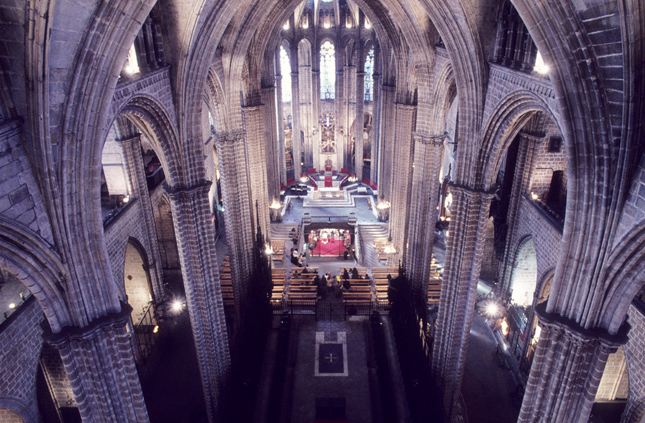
492 309
177 306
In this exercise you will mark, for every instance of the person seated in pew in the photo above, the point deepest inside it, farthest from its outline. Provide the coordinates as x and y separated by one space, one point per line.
354 273
346 285
345 274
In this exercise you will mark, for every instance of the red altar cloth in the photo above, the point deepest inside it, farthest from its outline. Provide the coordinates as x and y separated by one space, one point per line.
331 248
328 182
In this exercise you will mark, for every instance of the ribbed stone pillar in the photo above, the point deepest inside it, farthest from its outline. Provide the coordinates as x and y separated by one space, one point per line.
387 142
428 153
376 135
271 143
238 215
358 125
296 141
567 367
281 151
257 166
315 101
341 109
100 367
401 171
137 179
521 178
469 211
198 258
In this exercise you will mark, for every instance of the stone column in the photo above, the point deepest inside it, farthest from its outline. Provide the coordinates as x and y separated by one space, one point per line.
358 126
275 160
567 367
296 140
428 152
137 179
341 107
470 210
376 134
238 212
400 180
387 142
257 166
199 269
315 102
282 153
521 178
100 367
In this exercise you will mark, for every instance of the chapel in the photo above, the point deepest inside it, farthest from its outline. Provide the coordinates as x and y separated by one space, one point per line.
322 211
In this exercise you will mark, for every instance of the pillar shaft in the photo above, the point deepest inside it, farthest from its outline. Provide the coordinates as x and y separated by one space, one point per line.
521 178
137 178
358 125
376 134
423 211
387 142
271 143
100 367
567 367
198 257
238 214
257 166
401 171
296 141
470 209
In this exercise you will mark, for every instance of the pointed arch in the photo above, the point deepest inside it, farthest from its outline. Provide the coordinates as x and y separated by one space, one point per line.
33 261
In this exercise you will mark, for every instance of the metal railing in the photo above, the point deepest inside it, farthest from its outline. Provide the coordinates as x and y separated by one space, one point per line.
146 333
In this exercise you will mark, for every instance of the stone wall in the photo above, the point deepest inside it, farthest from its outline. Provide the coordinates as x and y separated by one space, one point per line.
21 340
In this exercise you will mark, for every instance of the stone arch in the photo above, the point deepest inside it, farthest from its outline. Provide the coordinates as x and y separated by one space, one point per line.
622 281
167 240
136 277
215 101
510 115
13 411
544 286
32 261
444 94
636 414
85 119
523 278
153 120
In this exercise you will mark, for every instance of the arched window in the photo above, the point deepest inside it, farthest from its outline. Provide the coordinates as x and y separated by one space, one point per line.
327 71
285 70
369 75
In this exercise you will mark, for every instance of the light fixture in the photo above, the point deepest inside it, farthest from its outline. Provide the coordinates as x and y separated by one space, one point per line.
156 329
303 179
268 250
275 205
368 25
286 25
534 196
382 204
126 199
12 305
177 306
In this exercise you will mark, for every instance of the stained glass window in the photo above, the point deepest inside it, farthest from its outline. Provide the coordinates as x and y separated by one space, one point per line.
369 75
285 70
327 71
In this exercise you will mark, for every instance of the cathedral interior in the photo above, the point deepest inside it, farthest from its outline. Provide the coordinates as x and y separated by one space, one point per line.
327 210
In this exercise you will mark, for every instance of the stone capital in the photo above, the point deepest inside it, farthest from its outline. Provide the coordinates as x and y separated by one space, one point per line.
232 137
93 329
180 191
471 192
434 140
579 334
